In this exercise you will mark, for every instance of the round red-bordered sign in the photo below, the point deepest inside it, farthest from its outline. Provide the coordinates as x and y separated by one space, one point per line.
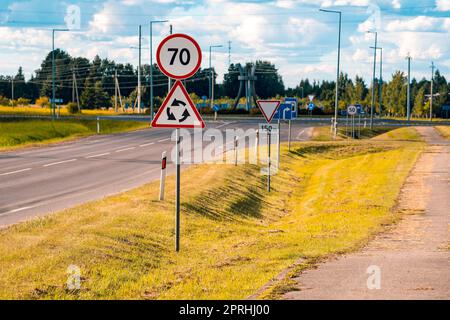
179 56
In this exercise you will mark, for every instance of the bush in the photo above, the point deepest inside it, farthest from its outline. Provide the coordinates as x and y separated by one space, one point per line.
72 107
23 101
13 103
254 111
4 101
43 102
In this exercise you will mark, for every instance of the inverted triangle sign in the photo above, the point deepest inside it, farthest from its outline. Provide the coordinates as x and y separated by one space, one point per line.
268 108
178 110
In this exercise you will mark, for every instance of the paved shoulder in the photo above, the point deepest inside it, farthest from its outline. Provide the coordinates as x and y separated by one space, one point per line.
411 261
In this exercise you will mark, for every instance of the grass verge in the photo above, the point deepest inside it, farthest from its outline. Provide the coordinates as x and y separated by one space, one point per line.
327 198
323 133
37 111
444 131
22 133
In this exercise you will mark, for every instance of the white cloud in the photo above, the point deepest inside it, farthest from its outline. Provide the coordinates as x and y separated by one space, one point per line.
443 5
356 3
415 24
396 4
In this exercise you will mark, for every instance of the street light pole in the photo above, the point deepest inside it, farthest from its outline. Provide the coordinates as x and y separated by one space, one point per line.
211 82
54 71
151 64
408 95
373 78
139 73
336 100
431 89
380 80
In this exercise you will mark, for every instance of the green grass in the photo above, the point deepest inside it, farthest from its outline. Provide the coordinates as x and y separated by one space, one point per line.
444 131
400 134
45 111
323 133
328 198
20 133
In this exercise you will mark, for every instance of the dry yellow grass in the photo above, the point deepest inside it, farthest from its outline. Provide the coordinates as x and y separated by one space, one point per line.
235 236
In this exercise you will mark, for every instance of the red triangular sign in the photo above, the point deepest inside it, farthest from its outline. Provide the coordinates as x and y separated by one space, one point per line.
268 108
178 110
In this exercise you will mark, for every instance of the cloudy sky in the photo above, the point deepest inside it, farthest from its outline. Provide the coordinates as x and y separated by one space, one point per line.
293 34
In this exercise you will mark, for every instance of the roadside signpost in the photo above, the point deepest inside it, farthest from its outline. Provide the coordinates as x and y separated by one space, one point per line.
352 110
179 57
268 109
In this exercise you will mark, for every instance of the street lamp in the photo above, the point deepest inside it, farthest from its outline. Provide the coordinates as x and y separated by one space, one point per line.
373 78
54 70
211 82
151 63
380 81
336 100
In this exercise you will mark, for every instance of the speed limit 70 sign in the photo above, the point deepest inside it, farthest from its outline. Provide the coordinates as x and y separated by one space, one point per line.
179 56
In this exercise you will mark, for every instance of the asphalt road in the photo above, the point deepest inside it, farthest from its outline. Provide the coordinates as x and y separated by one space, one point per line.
36 181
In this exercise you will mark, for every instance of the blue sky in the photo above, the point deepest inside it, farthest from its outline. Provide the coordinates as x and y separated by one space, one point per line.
293 34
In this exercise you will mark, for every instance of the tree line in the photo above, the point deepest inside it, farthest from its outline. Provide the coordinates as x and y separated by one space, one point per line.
95 83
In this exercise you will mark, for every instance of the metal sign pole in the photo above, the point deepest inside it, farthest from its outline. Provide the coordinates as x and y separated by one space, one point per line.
359 125
268 148
177 192
278 143
289 139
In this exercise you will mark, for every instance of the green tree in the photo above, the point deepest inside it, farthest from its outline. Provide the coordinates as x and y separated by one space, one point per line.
418 108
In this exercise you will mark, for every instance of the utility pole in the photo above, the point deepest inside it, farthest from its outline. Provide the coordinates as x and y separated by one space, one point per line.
139 73
336 99
75 89
12 88
373 78
54 71
211 82
115 91
431 98
408 95
151 64
380 89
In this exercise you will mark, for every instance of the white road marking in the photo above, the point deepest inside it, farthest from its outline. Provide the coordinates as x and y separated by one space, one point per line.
223 125
98 155
12 172
162 140
146 144
300 133
59 162
16 210
125 149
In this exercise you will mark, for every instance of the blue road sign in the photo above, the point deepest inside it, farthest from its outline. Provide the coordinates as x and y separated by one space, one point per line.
294 103
284 112
216 108
311 106
56 100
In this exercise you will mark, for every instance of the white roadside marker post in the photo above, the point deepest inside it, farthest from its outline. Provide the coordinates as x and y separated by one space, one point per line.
162 182
235 151
256 145
98 125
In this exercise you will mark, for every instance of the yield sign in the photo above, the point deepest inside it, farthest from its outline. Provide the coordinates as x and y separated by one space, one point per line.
178 110
268 108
